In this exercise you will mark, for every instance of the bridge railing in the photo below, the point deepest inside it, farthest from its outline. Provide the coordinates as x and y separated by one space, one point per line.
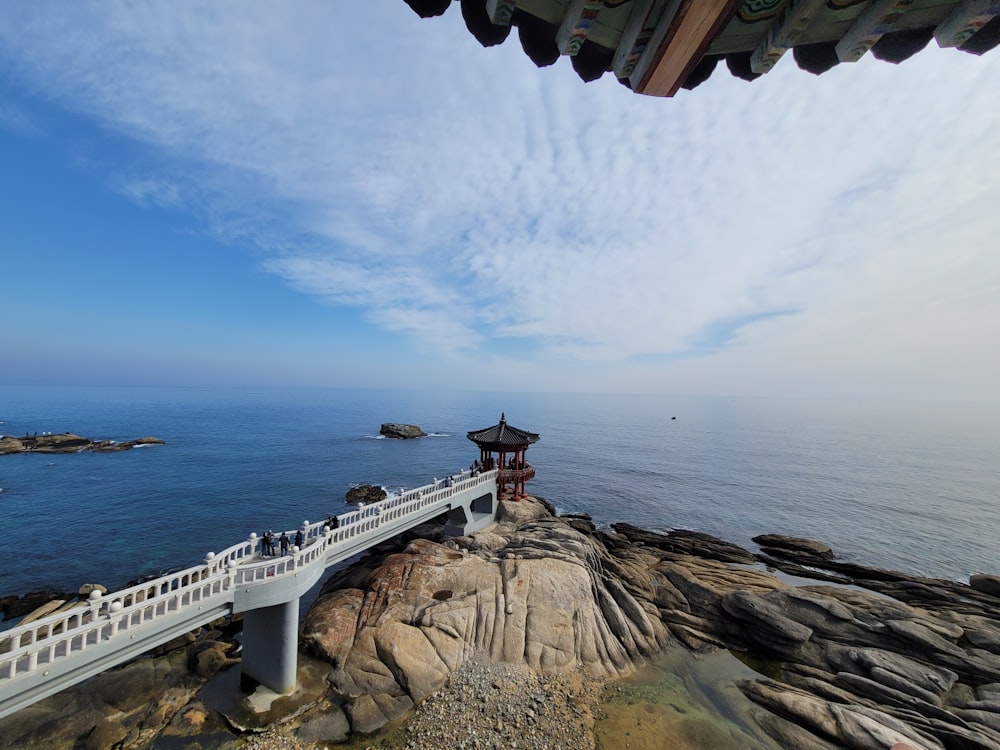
366 521
24 647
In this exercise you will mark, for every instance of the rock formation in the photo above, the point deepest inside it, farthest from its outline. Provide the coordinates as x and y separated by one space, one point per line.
364 493
845 668
910 659
401 431
67 443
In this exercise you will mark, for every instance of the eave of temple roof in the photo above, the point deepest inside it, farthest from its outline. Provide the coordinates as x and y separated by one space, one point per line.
657 47
502 436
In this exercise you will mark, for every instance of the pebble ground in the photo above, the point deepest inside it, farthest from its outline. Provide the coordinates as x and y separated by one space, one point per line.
486 706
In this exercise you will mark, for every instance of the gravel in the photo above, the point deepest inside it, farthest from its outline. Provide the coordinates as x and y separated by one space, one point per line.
488 705
485 706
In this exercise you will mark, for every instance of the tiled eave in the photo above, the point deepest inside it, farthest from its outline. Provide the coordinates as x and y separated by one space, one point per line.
657 47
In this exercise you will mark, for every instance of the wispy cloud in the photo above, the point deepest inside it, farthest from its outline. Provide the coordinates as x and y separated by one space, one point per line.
462 197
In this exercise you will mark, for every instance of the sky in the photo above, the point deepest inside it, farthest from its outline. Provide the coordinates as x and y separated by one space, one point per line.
343 194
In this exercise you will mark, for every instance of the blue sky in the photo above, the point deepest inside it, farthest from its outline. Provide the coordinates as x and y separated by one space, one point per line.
330 194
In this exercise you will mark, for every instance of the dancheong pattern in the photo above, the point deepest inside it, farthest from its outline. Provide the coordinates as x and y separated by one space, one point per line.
752 11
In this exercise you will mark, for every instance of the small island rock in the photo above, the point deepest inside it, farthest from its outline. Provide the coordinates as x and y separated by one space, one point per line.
401 431
67 442
364 493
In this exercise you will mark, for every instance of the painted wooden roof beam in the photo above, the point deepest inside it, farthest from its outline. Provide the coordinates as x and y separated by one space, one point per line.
963 23
659 21
580 16
877 20
695 25
784 33
501 11
635 36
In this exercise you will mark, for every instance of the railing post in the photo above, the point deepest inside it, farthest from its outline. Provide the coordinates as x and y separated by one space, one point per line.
95 603
113 610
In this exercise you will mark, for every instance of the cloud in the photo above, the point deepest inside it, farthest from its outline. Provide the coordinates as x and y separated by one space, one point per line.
464 198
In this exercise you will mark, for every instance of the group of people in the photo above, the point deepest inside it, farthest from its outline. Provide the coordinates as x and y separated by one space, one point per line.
267 543
267 540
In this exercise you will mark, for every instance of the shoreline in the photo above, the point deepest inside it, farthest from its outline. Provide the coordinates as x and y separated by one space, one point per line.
398 646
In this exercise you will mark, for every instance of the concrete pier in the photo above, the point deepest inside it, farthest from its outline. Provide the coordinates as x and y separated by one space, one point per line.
270 647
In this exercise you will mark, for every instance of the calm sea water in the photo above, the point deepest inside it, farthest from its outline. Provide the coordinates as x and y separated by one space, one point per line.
905 486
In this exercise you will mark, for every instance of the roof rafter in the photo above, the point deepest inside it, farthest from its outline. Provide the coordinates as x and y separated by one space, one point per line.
877 20
784 32
635 36
660 20
965 21
580 16
695 25
501 11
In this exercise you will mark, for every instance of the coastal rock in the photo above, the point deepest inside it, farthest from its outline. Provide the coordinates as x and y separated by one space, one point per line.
987 584
557 595
777 544
18 606
364 493
686 542
401 431
329 726
68 443
838 666
540 601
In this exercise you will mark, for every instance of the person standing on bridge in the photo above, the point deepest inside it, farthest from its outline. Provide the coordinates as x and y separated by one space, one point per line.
267 549
283 541
299 539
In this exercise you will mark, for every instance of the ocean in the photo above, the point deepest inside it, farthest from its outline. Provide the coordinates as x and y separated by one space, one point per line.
908 486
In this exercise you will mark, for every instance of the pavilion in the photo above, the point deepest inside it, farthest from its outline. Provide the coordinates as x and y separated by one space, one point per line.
657 47
504 439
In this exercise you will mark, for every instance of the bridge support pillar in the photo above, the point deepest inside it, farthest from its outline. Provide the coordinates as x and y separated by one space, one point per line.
270 647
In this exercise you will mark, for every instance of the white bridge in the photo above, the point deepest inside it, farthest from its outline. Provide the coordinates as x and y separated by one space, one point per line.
54 652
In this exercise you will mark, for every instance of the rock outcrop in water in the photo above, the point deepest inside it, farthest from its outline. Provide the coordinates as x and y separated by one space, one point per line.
68 443
401 431
364 493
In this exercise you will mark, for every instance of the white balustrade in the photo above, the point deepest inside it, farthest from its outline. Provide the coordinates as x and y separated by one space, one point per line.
25 648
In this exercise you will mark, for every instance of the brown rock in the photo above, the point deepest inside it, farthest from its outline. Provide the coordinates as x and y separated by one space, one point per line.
401 431
210 657
108 733
987 584
329 726
364 493
777 543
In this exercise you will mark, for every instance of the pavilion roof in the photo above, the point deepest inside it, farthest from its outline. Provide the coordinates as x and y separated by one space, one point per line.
657 47
502 436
